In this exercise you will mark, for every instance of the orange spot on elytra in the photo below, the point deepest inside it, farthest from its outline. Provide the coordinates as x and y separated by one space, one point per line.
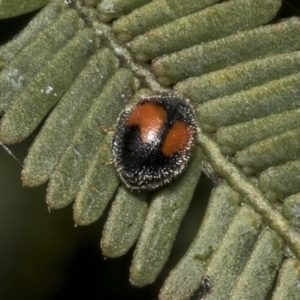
150 118
177 139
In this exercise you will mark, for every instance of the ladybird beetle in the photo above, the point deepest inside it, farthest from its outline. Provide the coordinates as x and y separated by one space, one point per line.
153 140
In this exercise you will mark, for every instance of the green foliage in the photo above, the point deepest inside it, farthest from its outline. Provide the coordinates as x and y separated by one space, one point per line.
14 8
242 77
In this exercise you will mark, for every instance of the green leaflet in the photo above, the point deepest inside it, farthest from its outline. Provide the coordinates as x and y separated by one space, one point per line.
212 23
110 9
281 181
221 53
273 97
241 76
65 180
18 73
186 278
12 8
260 270
239 136
97 187
154 15
289 276
226 265
269 152
43 19
125 221
61 125
34 103
168 206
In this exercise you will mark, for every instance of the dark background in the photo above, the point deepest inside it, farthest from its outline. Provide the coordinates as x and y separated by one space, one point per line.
42 254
